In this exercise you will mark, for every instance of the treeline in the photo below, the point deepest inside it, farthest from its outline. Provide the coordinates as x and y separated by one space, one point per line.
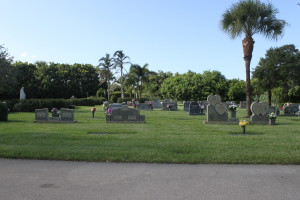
276 76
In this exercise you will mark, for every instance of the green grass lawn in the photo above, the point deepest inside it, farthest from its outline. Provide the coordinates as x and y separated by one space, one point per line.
166 137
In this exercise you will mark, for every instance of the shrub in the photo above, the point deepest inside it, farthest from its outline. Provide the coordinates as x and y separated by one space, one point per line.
3 112
87 101
29 105
10 103
114 96
142 100
121 100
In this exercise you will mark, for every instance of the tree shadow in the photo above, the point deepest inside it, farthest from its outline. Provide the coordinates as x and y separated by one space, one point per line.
242 134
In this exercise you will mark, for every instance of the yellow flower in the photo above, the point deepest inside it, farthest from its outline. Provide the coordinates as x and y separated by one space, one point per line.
243 123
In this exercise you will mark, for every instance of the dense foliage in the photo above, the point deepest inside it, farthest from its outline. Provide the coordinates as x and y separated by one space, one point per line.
3 112
29 105
278 72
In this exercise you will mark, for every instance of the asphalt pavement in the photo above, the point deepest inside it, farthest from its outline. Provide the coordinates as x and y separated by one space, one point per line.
64 180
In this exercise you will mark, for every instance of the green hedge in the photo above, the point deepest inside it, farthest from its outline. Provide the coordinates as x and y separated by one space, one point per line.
3 112
29 105
121 100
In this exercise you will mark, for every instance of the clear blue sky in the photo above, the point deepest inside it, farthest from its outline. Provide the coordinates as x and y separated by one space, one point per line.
169 35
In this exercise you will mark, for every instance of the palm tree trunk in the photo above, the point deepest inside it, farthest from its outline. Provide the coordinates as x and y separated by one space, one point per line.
122 83
248 44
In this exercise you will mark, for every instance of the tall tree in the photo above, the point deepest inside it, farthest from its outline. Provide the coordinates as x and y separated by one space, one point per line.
214 83
236 90
251 17
120 61
140 75
25 75
280 68
7 75
183 87
155 82
106 65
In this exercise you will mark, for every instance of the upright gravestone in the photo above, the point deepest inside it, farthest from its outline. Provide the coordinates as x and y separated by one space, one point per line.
291 109
157 104
125 115
260 112
186 105
216 110
243 104
194 109
113 106
172 106
143 106
41 115
67 115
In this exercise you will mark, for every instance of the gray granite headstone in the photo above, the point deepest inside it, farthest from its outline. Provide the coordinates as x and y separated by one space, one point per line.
243 104
41 115
113 106
67 115
216 110
143 106
186 105
194 109
157 104
291 109
260 112
125 115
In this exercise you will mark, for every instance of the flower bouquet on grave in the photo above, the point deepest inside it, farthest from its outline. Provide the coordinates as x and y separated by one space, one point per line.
232 108
93 110
243 124
54 112
272 115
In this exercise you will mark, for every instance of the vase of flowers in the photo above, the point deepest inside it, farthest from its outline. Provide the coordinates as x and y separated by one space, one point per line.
243 124
272 118
54 112
232 109
93 110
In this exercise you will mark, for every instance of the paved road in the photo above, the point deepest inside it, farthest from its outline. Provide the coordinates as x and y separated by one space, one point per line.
55 180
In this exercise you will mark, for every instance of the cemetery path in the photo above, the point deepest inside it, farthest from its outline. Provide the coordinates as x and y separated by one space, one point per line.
36 179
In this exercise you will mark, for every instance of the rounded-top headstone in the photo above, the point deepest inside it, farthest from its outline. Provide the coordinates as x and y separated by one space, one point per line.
221 108
214 99
259 108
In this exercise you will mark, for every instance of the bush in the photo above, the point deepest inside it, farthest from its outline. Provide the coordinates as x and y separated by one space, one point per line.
142 100
29 105
121 100
87 101
114 96
10 103
3 112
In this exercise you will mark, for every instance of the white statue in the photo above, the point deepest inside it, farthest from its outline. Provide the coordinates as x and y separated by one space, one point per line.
22 93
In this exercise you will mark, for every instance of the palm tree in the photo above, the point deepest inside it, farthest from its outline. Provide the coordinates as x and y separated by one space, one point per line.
250 17
119 62
106 65
140 75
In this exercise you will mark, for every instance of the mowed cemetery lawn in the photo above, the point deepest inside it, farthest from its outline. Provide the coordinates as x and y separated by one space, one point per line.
166 137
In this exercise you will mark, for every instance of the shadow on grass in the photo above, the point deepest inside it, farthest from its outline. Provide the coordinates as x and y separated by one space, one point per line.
13 121
242 134
105 133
